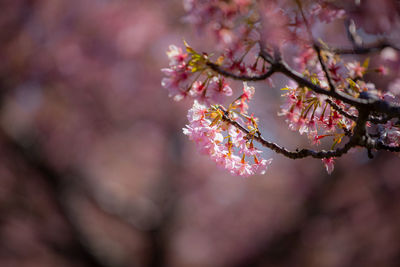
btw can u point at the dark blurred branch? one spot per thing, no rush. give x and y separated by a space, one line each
359 48
79 249
366 49
14 27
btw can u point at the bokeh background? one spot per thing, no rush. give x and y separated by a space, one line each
95 171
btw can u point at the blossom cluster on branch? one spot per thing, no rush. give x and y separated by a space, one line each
327 94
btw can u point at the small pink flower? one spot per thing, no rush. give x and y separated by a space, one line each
305 58
176 81
248 91
197 89
329 164
391 134
197 112
249 150
261 166
355 69
238 137
175 55
317 138
301 125
242 105
327 13
218 90
382 70
312 126
329 125
244 169
223 151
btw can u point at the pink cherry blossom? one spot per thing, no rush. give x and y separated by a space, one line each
326 12
355 69
248 91
254 37
218 90
176 56
329 164
224 151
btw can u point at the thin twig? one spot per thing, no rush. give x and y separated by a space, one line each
372 119
324 68
340 110
226 73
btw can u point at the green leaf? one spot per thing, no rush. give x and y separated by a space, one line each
366 63
314 80
188 48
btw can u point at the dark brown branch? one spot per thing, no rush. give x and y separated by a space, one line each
280 66
303 153
301 80
381 146
324 68
340 110
226 73
376 105
372 119
359 138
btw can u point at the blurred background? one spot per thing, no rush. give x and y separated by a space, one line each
95 171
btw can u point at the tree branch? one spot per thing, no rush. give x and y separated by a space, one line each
340 110
376 105
380 146
80 249
362 50
226 73
321 61
298 154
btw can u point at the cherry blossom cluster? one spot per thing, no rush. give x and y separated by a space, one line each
236 26
325 120
315 114
390 134
310 113
230 21
326 97
227 145
182 82
325 12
